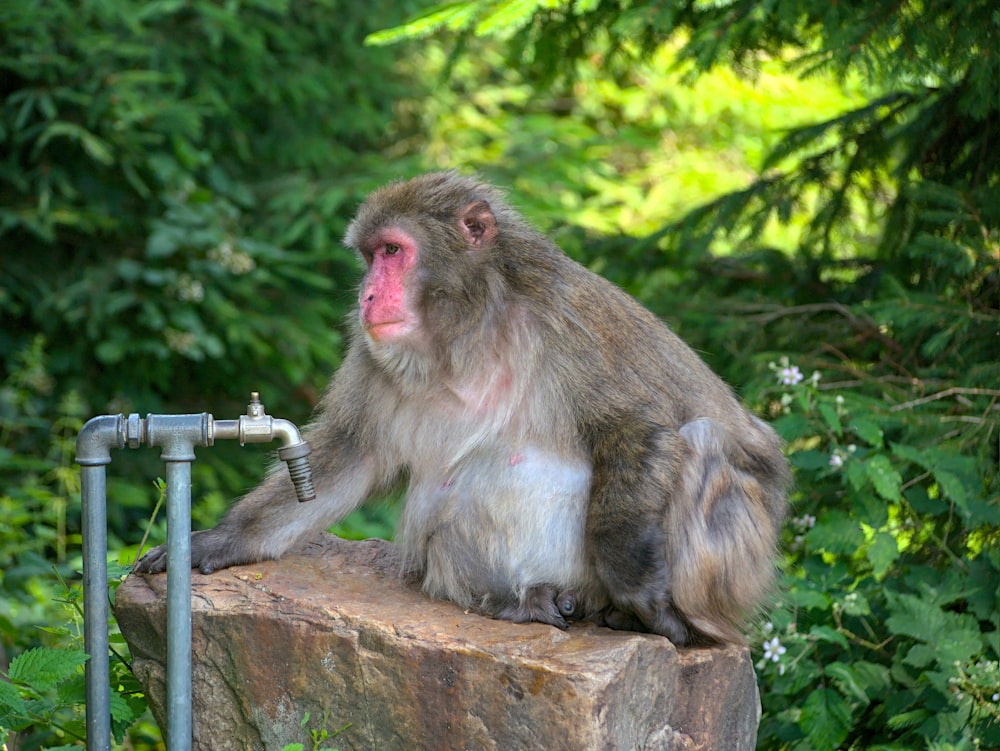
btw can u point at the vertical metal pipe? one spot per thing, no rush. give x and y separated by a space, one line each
179 715
95 606
93 451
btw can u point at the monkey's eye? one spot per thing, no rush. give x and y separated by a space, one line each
391 249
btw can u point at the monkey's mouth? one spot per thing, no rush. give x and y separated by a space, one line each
386 329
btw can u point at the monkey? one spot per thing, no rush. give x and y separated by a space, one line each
564 453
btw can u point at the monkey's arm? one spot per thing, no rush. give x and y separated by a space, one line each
269 519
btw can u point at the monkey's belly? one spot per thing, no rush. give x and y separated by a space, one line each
500 524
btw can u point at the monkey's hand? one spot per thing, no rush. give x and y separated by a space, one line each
209 551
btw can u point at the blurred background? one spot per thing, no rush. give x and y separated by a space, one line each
807 192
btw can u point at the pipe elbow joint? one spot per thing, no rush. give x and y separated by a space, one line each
286 432
97 437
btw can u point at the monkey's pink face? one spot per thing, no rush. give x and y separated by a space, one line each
387 310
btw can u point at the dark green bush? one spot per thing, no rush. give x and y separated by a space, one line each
174 182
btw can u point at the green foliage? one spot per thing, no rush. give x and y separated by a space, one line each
915 158
318 736
170 175
173 180
39 551
43 703
888 633
617 153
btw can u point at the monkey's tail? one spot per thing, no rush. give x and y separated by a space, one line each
726 524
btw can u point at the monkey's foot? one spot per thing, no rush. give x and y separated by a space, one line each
541 604
663 620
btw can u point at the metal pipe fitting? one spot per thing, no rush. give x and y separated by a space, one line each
256 426
177 435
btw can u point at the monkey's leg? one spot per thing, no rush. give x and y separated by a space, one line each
636 466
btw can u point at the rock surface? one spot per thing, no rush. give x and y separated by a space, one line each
332 630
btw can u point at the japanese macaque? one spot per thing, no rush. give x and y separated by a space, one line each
563 452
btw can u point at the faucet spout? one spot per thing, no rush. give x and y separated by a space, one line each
256 426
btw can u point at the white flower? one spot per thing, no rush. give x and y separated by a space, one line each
836 460
773 650
790 375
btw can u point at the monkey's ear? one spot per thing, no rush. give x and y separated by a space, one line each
479 225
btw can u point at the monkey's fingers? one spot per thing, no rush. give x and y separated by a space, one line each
154 562
538 606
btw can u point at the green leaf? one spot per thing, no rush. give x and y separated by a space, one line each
955 475
837 532
507 17
95 148
810 460
886 480
805 597
855 603
868 432
793 427
452 16
11 701
954 636
830 417
829 634
952 487
825 719
882 553
920 655
856 473
875 680
911 454
122 715
910 719
44 667
847 681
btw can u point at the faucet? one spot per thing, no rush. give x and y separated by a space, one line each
256 426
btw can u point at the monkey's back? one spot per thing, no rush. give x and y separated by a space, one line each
604 336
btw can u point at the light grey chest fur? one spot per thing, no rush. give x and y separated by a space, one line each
488 512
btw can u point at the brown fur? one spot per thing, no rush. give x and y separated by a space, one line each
564 452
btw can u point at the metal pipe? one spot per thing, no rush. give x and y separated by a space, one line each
177 435
256 426
95 607
179 712
93 446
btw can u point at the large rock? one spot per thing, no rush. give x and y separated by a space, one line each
333 631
